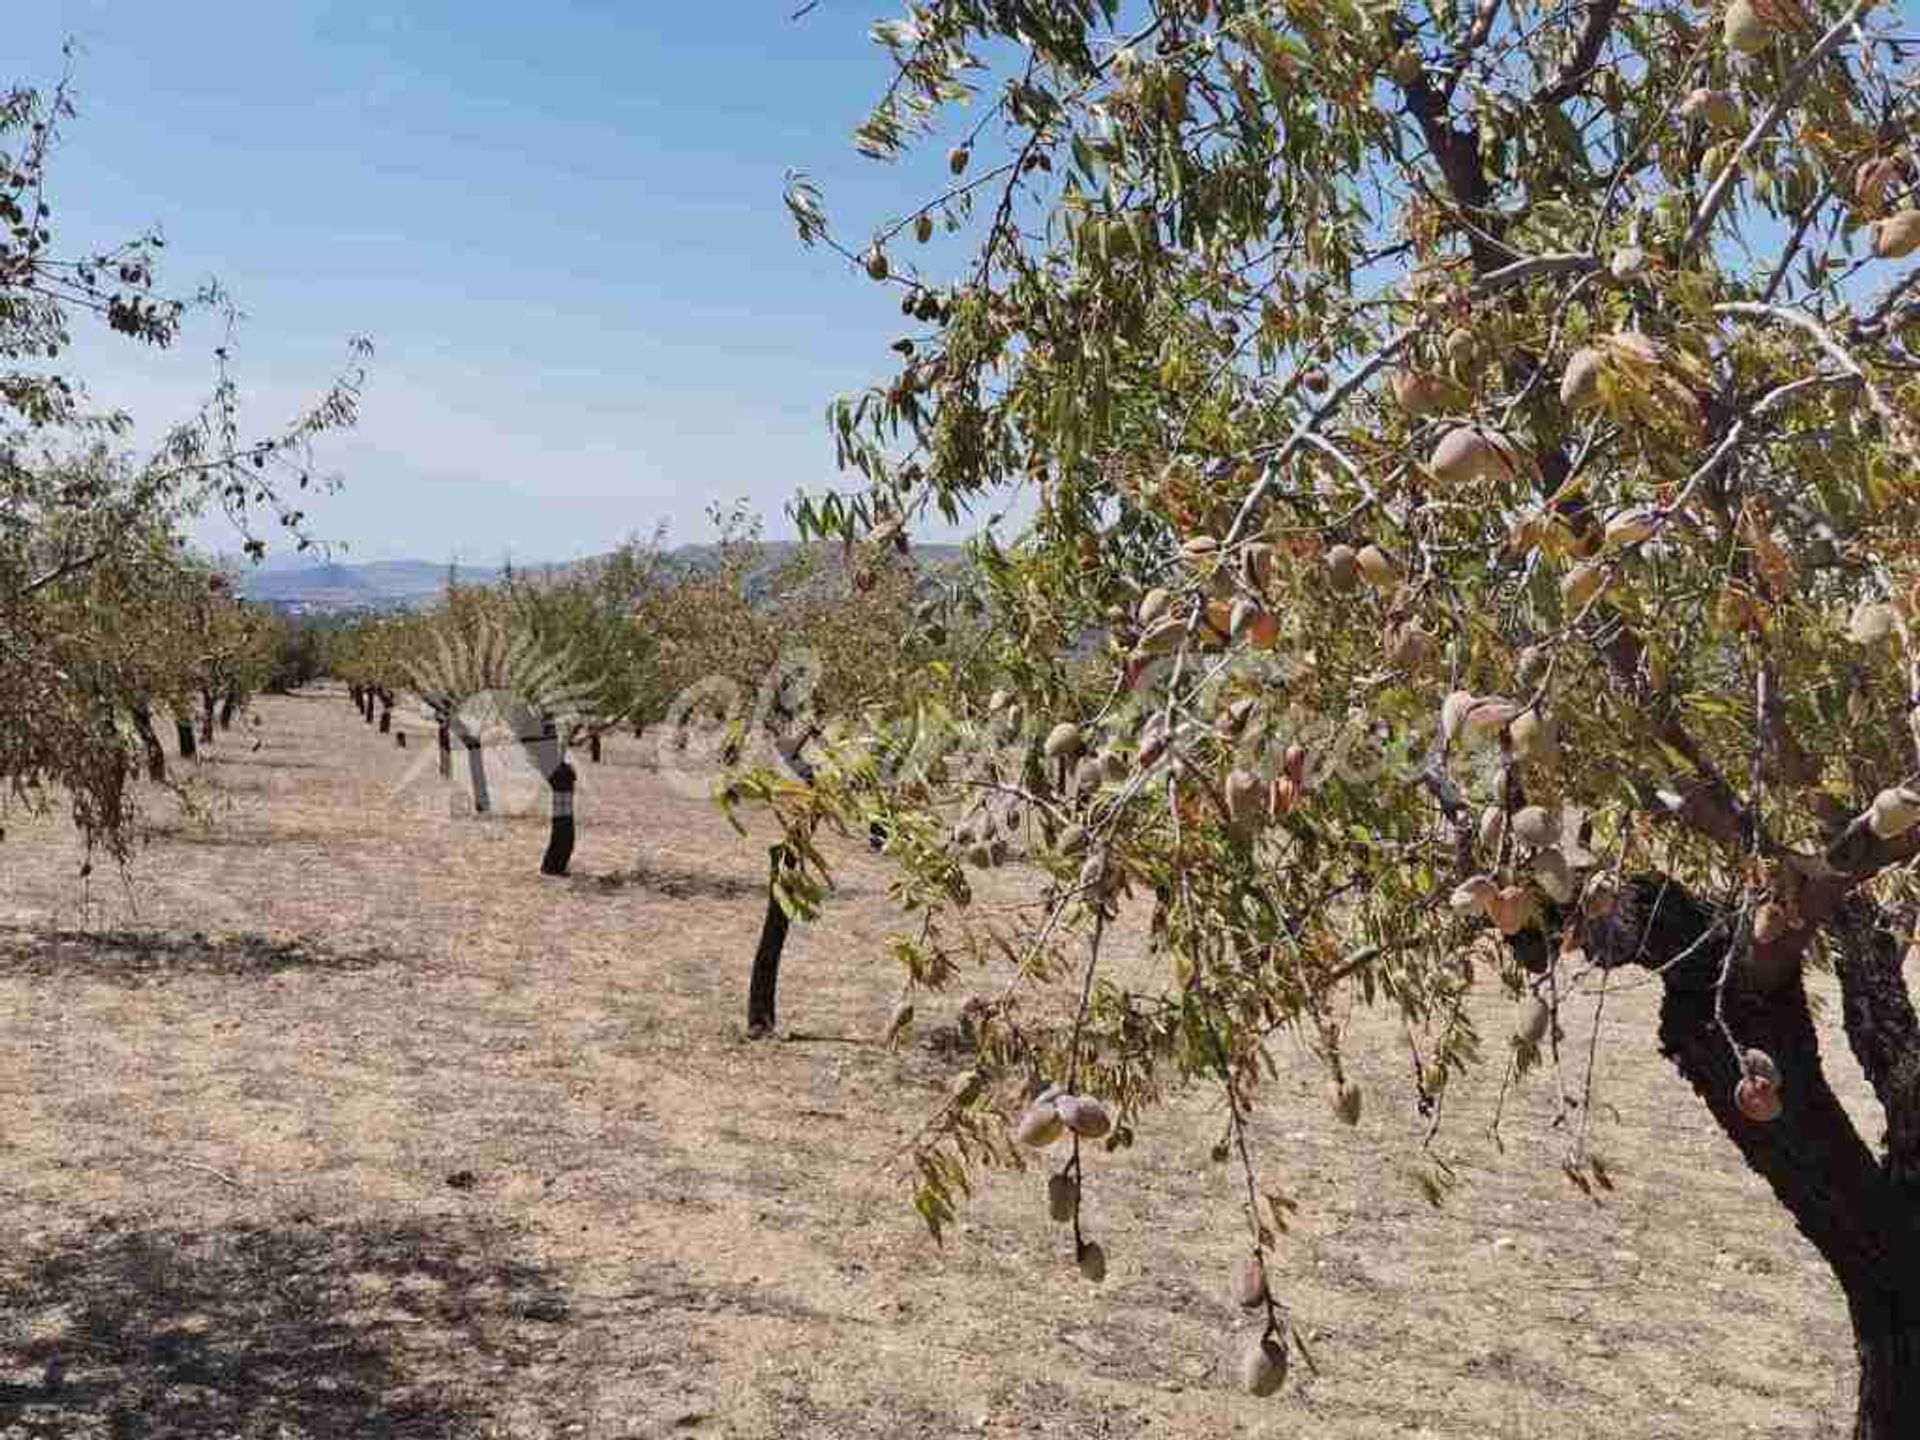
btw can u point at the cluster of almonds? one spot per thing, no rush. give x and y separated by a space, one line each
1234 610
1052 1114
1348 567
984 839
1263 1365
1252 800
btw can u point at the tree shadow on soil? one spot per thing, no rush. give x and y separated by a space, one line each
140 956
294 1332
673 883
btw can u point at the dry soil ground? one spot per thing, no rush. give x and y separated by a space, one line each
333 1119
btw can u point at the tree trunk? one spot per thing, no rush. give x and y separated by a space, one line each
476 768
206 717
544 749
1856 1209
183 730
445 741
150 743
560 838
763 988
1886 1330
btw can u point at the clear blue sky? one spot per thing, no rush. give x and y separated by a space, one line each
560 224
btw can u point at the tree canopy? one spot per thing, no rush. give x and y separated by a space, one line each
1478 442
91 558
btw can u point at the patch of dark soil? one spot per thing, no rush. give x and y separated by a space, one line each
142 956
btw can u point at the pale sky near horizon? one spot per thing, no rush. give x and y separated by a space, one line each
560 225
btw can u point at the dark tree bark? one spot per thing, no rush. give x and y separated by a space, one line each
764 984
544 748
476 766
183 731
763 988
1858 1210
149 742
560 837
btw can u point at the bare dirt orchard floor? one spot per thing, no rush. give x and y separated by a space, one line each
334 1119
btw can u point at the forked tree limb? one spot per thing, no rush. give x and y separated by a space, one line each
1877 1008
1812 1156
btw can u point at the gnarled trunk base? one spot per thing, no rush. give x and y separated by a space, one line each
1849 1203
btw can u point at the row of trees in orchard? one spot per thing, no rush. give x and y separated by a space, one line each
550 663
107 620
1482 438
754 655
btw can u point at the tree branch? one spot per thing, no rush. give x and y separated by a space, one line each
1829 346
1783 101
1811 1156
1881 1025
1566 84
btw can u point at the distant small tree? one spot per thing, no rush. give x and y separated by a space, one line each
293 652
796 641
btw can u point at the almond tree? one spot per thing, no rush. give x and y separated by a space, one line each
87 529
787 650
504 660
1481 437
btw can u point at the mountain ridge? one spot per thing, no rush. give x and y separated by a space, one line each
332 587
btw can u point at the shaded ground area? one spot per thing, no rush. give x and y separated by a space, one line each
138 955
362 1127
297 1332
677 884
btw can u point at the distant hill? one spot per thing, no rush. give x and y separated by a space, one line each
377 585
326 589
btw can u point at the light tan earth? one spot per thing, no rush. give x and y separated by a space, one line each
234 1085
